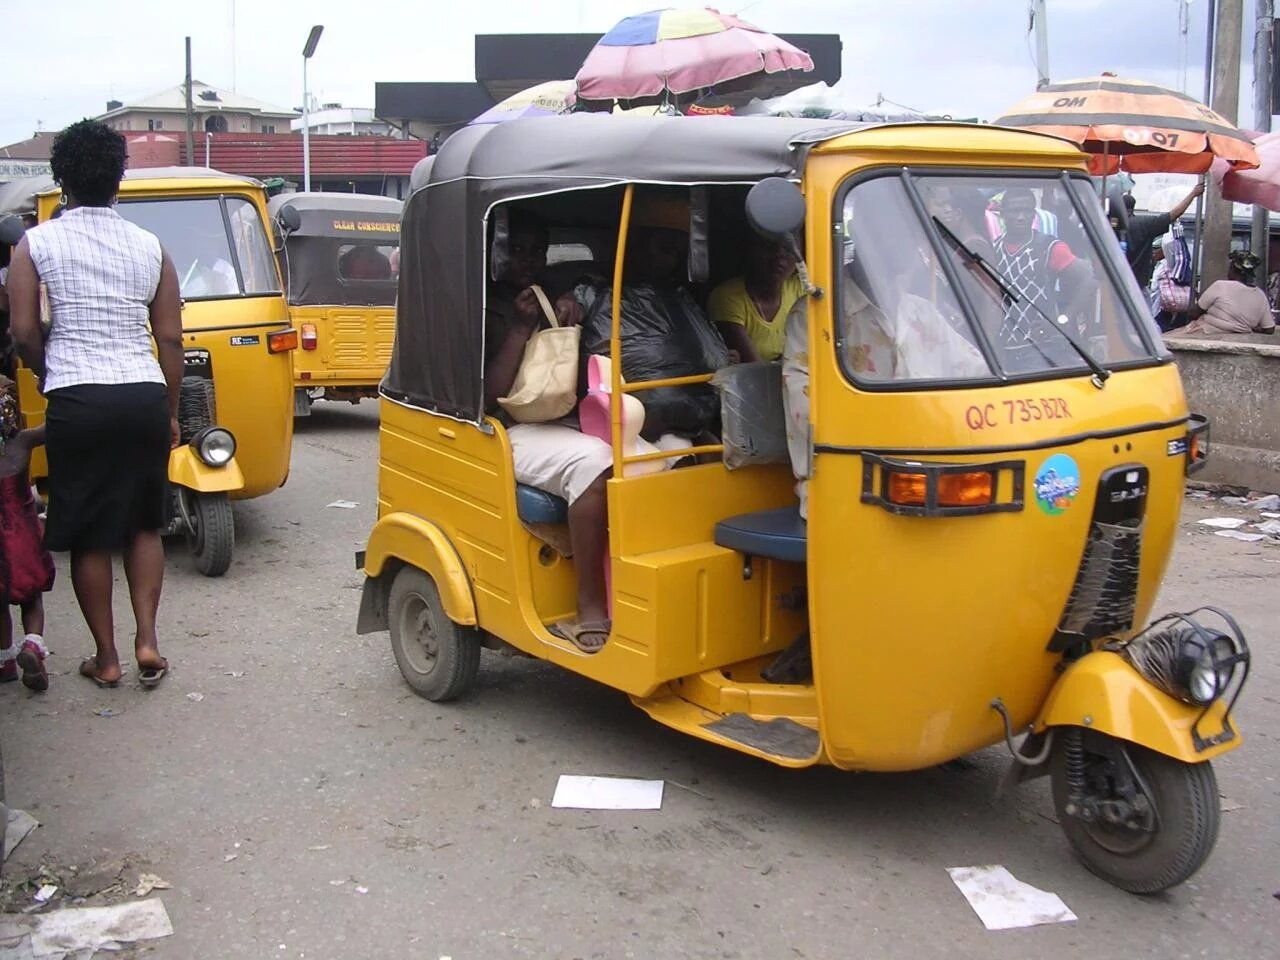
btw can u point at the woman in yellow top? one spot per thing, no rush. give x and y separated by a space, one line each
750 311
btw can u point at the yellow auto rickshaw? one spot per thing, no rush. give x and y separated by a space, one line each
338 255
995 441
236 402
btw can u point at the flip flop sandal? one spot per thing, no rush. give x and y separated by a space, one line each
89 668
576 633
150 677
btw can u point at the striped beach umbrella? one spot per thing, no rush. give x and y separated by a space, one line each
544 100
1134 126
664 55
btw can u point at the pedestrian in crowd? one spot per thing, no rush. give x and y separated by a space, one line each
112 406
1145 228
1234 305
26 569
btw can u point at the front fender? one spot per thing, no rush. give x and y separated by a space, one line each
420 543
1102 691
186 469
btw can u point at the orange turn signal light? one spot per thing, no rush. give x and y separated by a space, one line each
954 489
283 340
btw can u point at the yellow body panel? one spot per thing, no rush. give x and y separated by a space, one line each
1103 692
186 469
353 346
253 387
916 623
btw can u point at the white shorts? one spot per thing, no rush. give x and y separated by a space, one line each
557 459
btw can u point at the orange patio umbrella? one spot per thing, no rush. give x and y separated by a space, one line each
1134 126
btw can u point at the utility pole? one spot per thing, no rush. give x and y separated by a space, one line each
1226 101
1040 21
191 123
1259 242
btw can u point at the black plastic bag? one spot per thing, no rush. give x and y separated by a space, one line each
664 334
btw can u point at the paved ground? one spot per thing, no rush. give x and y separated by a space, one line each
308 805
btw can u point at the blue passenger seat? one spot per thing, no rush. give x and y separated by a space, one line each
776 534
538 506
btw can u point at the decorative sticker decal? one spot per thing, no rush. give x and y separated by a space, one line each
1178 448
245 341
1057 484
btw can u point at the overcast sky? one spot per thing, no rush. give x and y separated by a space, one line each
964 57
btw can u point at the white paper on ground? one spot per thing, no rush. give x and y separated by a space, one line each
20 824
607 793
344 504
1223 523
1270 526
1003 902
1241 535
91 928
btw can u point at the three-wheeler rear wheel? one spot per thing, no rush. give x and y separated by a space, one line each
438 658
1139 819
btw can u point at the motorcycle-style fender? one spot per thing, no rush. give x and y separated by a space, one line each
419 543
1102 691
188 470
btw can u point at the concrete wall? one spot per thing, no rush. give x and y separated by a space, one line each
1235 383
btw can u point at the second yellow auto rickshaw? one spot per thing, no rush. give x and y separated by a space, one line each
338 254
236 403
995 445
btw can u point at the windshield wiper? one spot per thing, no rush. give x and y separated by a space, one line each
1100 373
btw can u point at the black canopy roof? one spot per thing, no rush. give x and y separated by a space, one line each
352 216
439 347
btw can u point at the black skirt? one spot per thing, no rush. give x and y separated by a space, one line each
108 450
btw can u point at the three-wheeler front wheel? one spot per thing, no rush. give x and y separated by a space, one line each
211 531
438 658
1139 819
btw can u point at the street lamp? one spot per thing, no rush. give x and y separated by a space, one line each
313 38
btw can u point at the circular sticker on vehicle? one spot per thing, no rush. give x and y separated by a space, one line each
1057 484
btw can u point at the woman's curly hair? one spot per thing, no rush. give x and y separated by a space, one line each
88 161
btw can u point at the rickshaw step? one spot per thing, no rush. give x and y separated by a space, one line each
780 736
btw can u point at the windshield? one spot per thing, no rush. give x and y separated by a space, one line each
963 278
215 255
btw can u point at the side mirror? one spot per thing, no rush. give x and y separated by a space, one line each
775 208
289 218
11 230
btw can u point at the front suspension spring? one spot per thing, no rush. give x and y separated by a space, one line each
1074 770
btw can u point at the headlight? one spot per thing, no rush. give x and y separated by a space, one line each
1185 659
215 446
1202 661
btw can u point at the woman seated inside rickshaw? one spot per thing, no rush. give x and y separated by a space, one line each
554 457
750 311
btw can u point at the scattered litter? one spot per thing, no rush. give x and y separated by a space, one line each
1238 535
1002 902
195 697
148 882
98 928
321 846
1236 501
362 890
1270 526
336 883
607 793
344 504
45 893
1229 806
535 803
106 712
94 878
1223 523
1268 515
229 857
1269 502
19 825
235 673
